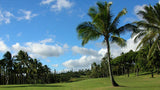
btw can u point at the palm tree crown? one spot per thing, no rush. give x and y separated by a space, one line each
102 25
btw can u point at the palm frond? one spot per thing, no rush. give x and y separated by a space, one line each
116 20
139 36
87 31
146 38
153 47
120 41
92 12
128 27
147 26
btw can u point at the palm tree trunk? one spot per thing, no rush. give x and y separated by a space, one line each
109 65
152 74
128 72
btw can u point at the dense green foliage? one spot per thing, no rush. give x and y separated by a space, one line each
22 69
130 62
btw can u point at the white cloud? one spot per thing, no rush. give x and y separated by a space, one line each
84 51
47 41
55 65
27 15
58 4
65 46
40 49
17 47
89 56
5 17
83 63
46 2
8 14
61 4
129 20
3 46
138 8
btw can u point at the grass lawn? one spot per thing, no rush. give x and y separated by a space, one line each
132 83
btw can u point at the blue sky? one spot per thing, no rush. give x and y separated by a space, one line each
46 29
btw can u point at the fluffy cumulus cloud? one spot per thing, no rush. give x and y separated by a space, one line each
89 55
84 51
41 49
27 15
117 50
61 4
3 46
82 63
5 17
58 5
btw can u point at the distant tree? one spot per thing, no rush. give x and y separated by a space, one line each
104 67
8 65
95 70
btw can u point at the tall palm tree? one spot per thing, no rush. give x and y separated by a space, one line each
149 27
103 25
23 58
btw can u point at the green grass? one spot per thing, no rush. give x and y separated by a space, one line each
132 83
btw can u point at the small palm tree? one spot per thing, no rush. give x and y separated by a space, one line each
149 27
103 25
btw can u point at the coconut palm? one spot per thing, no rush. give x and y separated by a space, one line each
103 24
149 27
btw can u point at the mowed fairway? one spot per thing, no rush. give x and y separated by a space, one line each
131 83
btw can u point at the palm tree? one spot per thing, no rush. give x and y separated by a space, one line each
9 64
104 25
22 59
149 27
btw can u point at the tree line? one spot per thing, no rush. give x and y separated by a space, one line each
22 69
130 62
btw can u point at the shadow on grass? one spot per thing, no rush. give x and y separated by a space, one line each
122 86
33 85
